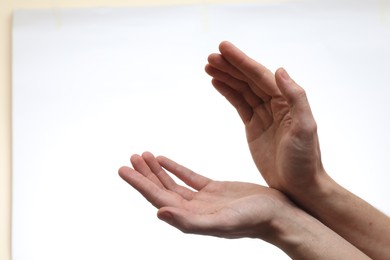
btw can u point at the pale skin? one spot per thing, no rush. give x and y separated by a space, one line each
282 137
233 210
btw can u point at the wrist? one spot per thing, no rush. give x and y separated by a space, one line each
301 236
286 229
294 233
320 189
350 216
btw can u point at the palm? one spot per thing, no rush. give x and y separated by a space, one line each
210 206
243 207
267 137
286 154
282 141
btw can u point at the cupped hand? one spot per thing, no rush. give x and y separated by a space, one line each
203 206
280 128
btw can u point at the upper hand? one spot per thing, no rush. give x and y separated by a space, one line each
280 128
207 207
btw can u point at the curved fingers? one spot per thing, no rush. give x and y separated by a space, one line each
218 62
240 86
262 77
157 196
141 166
164 178
189 177
238 102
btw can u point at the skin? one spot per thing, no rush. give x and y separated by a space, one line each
282 138
280 128
232 210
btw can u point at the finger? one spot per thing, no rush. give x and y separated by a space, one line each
154 194
219 62
238 101
240 86
164 178
189 177
260 75
191 223
297 100
141 166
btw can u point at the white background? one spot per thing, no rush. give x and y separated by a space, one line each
93 86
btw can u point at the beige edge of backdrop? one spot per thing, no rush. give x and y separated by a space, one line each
6 10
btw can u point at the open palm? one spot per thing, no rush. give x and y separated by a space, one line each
223 209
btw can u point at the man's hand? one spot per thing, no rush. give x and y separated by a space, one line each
282 137
207 207
233 210
280 128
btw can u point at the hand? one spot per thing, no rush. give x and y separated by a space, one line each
280 128
282 137
222 209
233 210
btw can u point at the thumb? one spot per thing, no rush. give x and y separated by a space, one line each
296 98
186 221
289 88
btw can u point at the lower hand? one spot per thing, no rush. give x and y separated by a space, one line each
207 207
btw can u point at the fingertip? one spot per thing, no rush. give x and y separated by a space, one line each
137 161
134 158
224 44
212 57
123 171
216 61
147 155
213 72
164 215
161 158
164 161
285 83
209 69
177 218
221 87
281 73
296 97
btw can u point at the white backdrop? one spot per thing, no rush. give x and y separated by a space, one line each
93 86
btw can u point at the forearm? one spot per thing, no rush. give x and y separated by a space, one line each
351 217
301 236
